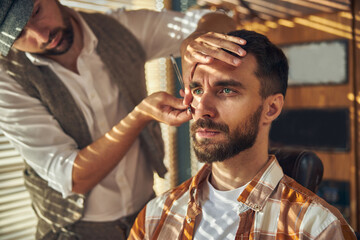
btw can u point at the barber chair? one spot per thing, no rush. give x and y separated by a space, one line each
303 166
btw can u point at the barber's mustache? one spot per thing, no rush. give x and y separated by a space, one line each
51 37
208 123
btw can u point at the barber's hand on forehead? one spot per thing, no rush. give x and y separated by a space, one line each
203 48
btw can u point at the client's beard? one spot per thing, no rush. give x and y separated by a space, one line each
242 138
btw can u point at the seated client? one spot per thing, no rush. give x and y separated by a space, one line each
241 191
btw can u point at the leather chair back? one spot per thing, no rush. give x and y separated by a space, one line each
302 165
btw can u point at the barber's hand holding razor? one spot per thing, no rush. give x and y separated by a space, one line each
165 108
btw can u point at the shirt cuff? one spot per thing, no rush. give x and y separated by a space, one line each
62 182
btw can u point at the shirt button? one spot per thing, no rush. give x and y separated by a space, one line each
77 215
80 201
256 207
188 220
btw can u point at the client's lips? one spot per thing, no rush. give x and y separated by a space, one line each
206 133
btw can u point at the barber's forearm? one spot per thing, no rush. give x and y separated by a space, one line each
217 22
95 161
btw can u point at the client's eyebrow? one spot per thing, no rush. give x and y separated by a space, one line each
229 83
194 85
221 83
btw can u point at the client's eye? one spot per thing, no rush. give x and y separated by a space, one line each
197 91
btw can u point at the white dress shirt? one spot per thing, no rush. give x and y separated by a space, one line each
43 144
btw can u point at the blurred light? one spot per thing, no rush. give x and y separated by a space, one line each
271 24
330 23
321 27
331 4
267 11
309 5
286 23
351 97
275 7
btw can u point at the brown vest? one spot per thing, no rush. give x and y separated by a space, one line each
124 58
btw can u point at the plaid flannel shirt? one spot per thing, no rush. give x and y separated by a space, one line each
273 206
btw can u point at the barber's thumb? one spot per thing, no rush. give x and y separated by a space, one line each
187 97
175 102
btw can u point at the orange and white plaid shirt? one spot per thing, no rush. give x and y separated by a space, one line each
273 206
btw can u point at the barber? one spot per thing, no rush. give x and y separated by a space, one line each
73 103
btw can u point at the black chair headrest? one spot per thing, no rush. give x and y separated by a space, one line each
304 166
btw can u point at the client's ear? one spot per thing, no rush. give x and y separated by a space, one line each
273 106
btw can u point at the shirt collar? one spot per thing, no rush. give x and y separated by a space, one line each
197 182
89 38
262 185
255 194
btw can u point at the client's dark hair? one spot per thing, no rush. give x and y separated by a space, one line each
272 65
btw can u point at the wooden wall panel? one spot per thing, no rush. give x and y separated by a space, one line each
356 73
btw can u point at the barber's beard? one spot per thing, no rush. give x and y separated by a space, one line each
67 37
242 138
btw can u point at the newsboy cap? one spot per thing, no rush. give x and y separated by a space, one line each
14 14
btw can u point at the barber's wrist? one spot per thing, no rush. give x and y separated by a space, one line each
141 115
190 38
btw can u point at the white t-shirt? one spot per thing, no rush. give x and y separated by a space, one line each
220 216
41 141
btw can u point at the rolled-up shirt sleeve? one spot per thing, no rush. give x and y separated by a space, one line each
160 33
37 136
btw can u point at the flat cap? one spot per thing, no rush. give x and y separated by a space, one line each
14 14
